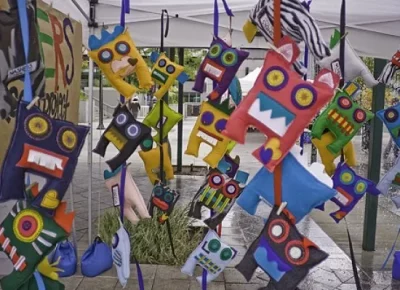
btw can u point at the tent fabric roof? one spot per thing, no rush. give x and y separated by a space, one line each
373 26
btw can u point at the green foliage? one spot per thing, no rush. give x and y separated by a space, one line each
149 240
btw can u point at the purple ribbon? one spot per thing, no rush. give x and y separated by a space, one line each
125 9
122 191
216 14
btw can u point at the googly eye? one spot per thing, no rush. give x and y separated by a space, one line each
347 177
278 230
122 47
133 131
226 254
214 245
105 55
215 180
391 115
38 127
215 50
28 225
207 118
296 253
220 125
276 78
303 96
162 62
121 119
231 190
344 103
67 139
170 69
359 115
229 57
360 187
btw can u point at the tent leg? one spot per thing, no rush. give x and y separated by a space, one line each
374 160
181 53
90 147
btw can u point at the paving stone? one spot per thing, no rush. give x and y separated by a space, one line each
195 285
71 283
170 284
343 275
170 273
98 283
249 286
235 277
134 285
324 277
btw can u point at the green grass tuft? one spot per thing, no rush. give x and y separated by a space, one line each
149 240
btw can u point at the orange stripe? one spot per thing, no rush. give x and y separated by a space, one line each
277 22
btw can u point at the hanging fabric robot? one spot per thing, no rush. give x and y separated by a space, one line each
121 253
391 179
218 193
229 166
280 105
164 199
117 56
390 117
282 252
390 70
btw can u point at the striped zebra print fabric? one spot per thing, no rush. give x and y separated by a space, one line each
390 70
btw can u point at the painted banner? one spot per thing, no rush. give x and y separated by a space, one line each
61 45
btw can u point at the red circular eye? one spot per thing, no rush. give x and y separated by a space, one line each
296 253
359 115
279 230
344 102
216 180
231 189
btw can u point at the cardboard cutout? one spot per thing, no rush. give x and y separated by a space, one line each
164 199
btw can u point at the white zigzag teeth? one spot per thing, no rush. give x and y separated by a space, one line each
341 198
208 138
45 160
212 70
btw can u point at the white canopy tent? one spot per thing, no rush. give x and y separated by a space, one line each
373 26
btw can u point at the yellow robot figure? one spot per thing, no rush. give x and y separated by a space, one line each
151 160
165 72
209 125
117 56
328 158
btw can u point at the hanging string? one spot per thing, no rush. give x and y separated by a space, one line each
125 9
342 41
216 15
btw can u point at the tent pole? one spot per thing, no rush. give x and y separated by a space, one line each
81 10
90 146
181 52
374 159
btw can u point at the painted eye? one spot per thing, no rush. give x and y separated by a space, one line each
168 197
360 187
303 96
162 63
215 50
214 245
275 78
207 118
220 125
278 230
67 139
229 57
170 69
226 254
37 127
105 55
147 144
121 119
133 131
158 191
347 177
231 190
296 253
344 103
115 241
28 225
359 115
122 47
216 180
391 115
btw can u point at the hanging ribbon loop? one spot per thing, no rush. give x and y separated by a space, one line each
216 15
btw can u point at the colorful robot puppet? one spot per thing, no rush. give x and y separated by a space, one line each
304 186
220 65
12 62
229 166
212 255
132 199
164 199
125 133
27 236
391 178
165 72
343 118
218 193
282 252
208 129
121 253
117 56
390 70
280 105
151 160
391 118
45 147
350 189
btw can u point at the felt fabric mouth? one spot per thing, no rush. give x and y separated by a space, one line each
43 160
130 69
271 114
341 121
116 138
214 200
343 196
124 67
213 70
208 137
160 204
11 251
207 263
159 76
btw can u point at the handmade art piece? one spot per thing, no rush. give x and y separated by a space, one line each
134 207
304 186
391 179
12 60
390 117
220 65
212 255
121 254
298 24
350 189
164 199
151 160
328 158
282 252
218 193
41 146
229 166
165 73
169 120
27 236
117 56
354 66
390 70
125 133
343 118
280 105
208 129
